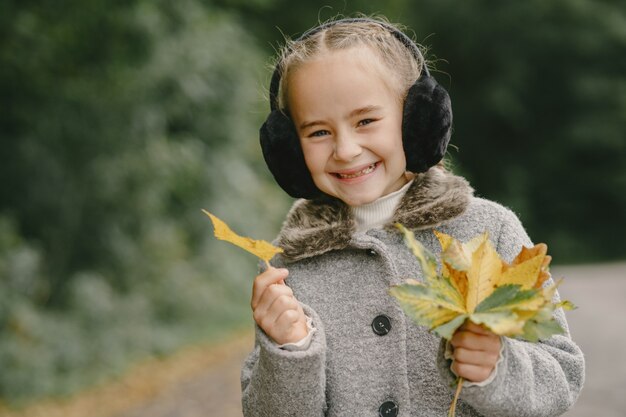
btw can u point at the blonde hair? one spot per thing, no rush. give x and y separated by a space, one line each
395 56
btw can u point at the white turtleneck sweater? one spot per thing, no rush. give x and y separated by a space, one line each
379 212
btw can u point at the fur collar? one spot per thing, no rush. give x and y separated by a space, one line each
314 227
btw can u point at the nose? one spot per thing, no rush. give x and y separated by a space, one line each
346 148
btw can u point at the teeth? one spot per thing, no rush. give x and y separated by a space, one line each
364 171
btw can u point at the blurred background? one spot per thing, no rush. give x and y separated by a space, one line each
120 120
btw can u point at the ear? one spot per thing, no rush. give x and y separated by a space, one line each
426 124
283 154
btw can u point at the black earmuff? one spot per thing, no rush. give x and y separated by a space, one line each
426 125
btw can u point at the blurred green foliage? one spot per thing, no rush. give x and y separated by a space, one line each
539 93
121 119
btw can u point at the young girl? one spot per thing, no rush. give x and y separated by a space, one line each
358 129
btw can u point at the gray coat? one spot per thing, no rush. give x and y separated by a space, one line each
341 277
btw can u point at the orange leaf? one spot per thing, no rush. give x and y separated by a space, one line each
544 275
530 265
527 253
459 280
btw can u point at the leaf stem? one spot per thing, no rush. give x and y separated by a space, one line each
459 386
267 264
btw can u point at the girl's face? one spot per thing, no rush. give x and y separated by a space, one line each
349 121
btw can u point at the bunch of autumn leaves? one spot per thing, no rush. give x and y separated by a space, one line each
475 284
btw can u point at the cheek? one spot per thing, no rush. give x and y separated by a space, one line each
397 161
393 149
313 157
398 146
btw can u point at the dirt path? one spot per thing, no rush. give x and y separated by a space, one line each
599 328
197 381
214 390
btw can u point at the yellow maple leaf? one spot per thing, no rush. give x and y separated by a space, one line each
483 274
259 248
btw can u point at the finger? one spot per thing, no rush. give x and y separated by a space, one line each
472 373
262 281
291 328
279 305
274 291
268 297
475 357
475 328
281 321
474 341
289 318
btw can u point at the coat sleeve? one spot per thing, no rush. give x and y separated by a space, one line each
278 382
534 379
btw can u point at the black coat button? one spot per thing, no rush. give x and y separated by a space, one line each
381 325
388 409
370 252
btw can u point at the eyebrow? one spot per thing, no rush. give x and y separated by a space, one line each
309 124
364 110
356 112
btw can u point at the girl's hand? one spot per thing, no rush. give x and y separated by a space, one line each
476 352
275 309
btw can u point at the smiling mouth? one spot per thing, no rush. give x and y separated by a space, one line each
368 169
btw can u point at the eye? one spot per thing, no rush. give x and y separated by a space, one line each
365 122
319 133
